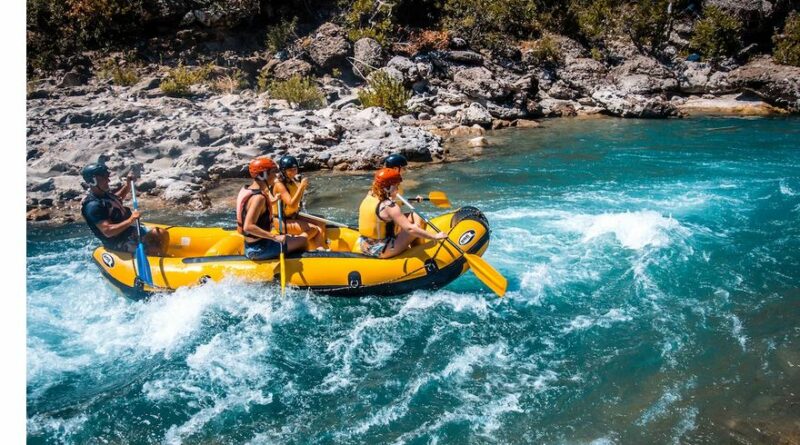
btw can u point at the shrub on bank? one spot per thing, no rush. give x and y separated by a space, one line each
596 20
787 43
120 75
179 79
299 92
368 18
230 83
716 35
646 23
386 92
545 51
279 35
490 23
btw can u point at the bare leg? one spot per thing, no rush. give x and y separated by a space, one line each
295 243
297 227
321 239
401 242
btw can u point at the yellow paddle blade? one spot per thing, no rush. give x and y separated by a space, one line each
283 275
487 274
439 199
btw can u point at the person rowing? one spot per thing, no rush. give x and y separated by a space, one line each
384 230
290 188
254 219
113 223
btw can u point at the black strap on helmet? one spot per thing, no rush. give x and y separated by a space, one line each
395 160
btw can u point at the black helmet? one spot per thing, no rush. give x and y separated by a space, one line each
395 161
287 162
90 171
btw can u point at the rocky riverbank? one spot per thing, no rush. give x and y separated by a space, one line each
182 147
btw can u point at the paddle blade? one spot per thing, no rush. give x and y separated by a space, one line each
143 264
283 275
439 199
487 274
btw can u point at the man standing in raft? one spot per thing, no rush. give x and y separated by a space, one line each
253 218
379 215
110 221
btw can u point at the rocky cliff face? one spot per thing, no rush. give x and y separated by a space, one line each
183 146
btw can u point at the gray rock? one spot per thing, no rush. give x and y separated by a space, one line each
447 110
643 75
505 112
407 119
72 79
368 55
329 47
778 85
634 105
466 57
292 67
475 114
479 141
480 83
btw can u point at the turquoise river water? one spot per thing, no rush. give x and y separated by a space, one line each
654 297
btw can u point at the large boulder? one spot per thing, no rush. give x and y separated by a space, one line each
582 74
480 83
643 75
329 47
701 78
633 105
291 67
475 114
368 55
777 84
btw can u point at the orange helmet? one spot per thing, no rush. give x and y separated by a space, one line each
387 177
261 165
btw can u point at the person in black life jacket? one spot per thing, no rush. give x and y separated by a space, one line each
385 231
290 188
254 219
110 221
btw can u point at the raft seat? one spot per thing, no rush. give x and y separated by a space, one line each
232 244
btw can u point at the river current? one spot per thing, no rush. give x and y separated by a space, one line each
654 297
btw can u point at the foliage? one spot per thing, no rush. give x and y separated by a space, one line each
787 44
56 28
121 75
299 92
369 18
646 22
386 92
281 34
716 35
262 81
544 51
425 40
336 72
489 23
596 19
230 83
179 79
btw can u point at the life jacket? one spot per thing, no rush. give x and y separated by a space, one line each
370 224
264 220
288 212
116 211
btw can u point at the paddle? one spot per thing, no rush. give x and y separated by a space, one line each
281 227
439 199
142 263
483 270
326 221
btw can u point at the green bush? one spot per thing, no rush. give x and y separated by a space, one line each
545 51
299 92
716 35
386 92
646 22
490 23
596 19
179 79
281 34
369 18
123 76
787 44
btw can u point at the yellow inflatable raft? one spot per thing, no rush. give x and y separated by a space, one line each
196 255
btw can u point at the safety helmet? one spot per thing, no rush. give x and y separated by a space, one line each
395 160
261 165
287 162
387 177
90 171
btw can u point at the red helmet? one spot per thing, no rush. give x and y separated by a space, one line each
261 165
387 177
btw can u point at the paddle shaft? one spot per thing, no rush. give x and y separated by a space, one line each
141 255
281 228
326 221
428 222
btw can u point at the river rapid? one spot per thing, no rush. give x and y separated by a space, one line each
654 297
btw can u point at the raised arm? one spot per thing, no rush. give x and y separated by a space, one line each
402 221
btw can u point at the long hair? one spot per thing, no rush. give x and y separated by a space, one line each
381 193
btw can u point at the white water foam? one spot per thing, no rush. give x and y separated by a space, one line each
584 322
785 189
634 230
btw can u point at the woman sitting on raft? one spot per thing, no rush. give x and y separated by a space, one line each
289 189
253 217
379 215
